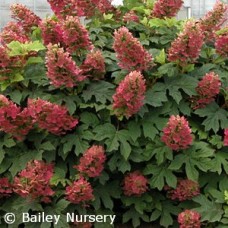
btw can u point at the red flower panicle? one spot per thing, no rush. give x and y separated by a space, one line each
5 188
51 117
130 16
189 219
79 192
135 184
51 31
34 181
166 8
226 137
129 95
130 52
185 49
61 69
214 19
92 161
185 190
61 8
4 58
24 16
94 65
221 42
177 133
75 35
81 225
207 89
89 8
13 32
14 121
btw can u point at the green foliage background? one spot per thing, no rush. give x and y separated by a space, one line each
130 144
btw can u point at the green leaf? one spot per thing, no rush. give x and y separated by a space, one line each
160 174
209 210
35 46
216 117
101 90
113 138
197 156
135 130
168 69
161 57
156 96
220 162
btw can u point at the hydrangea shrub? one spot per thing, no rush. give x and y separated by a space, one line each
125 114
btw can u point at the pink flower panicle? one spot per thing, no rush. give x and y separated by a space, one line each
79 192
51 31
81 225
130 16
51 117
185 190
89 8
61 8
166 8
129 52
6 189
4 58
34 181
221 43
207 89
75 35
94 65
177 133
61 69
226 137
13 32
92 161
185 49
189 219
214 19
14 121
24 16
135 184
129 95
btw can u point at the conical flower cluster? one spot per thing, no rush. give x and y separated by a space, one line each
130 16
34 181
214 19
221 42
6 188
51 117
61 68
92 161
51 31
94 65
177 133
129 95
166 8
80 191
185 190
25 17
189 219
14 121
135 184
75 36
185 49
129 52
226 137
13 32
207 89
